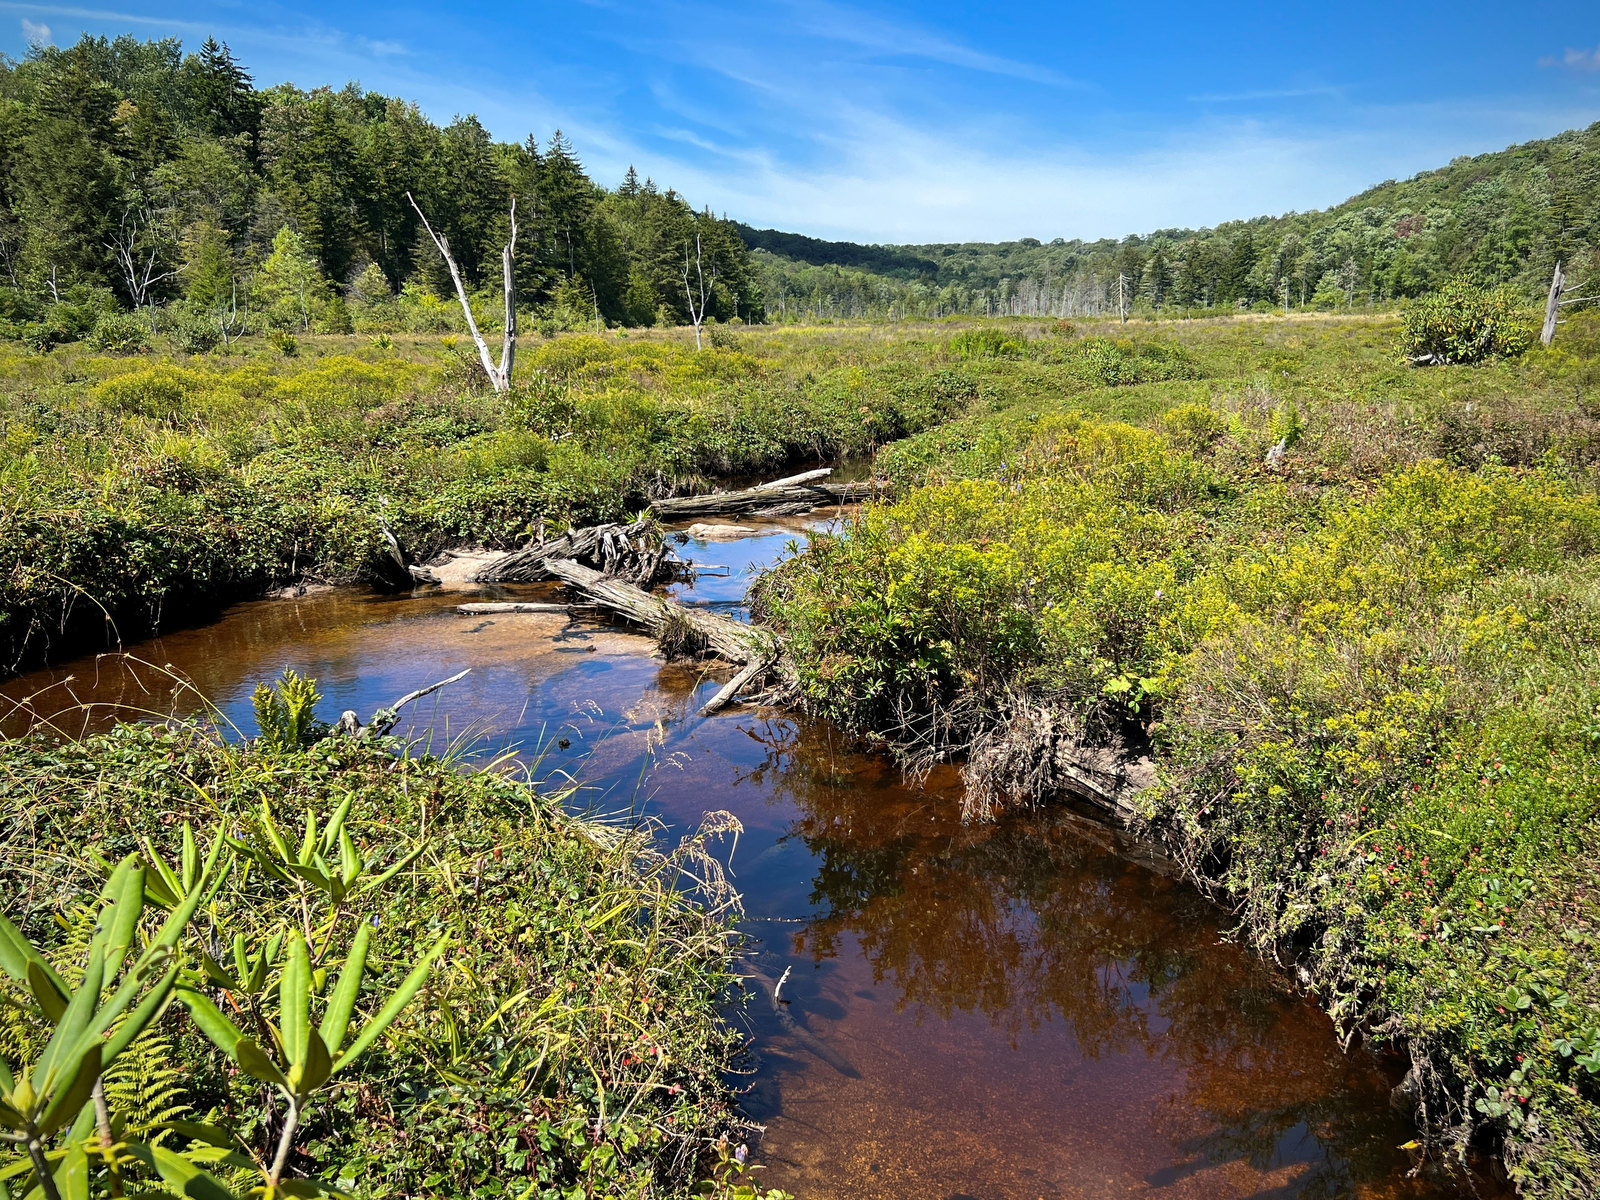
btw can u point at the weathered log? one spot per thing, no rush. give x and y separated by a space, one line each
781 497
633 552
723 636
733 687
483 610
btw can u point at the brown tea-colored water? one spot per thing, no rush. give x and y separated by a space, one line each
1031 1008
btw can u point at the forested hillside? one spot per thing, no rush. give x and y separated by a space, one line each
1504 217
132 173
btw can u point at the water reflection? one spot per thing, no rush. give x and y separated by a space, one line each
1069 951
1024 1009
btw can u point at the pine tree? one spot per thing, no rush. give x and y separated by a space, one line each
222 101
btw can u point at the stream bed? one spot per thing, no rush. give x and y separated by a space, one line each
1023 1010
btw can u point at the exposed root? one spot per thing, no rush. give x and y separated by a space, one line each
1039 747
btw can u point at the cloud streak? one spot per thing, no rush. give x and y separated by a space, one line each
1575 60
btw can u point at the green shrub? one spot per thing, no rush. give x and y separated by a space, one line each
194 332
1195 427
284 342
160 391
987 342
1117 362
336 317
121 333
1465 323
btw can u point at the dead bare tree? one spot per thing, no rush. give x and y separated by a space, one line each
700 288
1560 285
231 323
138 259
499 377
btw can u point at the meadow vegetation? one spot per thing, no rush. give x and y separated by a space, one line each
142 490
1348 607
566 1041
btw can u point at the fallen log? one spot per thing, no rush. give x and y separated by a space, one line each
734 686
349 723
633 552
485 610
780 497
676 625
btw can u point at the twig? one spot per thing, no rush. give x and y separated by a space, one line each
385 718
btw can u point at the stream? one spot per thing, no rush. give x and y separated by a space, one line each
1029 1009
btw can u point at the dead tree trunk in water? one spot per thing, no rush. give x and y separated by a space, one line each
499 377
781 497
719 635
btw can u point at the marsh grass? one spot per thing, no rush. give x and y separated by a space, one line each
570 1039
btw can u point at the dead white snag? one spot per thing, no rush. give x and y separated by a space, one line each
697 312
1552 306
485 610
723 636
734 686
499 377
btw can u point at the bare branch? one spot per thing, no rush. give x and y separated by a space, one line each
496 380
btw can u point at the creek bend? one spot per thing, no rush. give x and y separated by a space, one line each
1027 1009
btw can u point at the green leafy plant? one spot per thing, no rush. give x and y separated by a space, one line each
121 333
733 1176
301 1059
1464 322
88 1030
286 712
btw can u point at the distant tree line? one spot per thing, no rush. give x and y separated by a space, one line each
133 173
1501 218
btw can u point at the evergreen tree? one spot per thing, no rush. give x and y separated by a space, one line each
222 102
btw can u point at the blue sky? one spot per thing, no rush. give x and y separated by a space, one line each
939 122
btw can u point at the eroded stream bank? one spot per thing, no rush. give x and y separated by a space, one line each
1023 1009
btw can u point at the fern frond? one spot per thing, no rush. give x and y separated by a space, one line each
145 1086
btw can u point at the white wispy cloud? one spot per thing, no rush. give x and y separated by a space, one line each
1575 60
901 39
1295 93
34 33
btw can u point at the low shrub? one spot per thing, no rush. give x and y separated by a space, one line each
194 332
1464 322
121 333
986 342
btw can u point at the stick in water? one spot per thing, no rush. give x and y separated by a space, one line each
385 718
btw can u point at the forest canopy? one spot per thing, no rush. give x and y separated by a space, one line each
1501 218
134 174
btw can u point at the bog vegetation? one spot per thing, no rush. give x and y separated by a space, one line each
1347 605
1349 608
302 966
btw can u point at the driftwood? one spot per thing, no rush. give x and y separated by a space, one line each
781 497
633 552
711 632
385 719
733 687
485 610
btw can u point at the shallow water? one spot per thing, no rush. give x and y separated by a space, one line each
1032 1008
